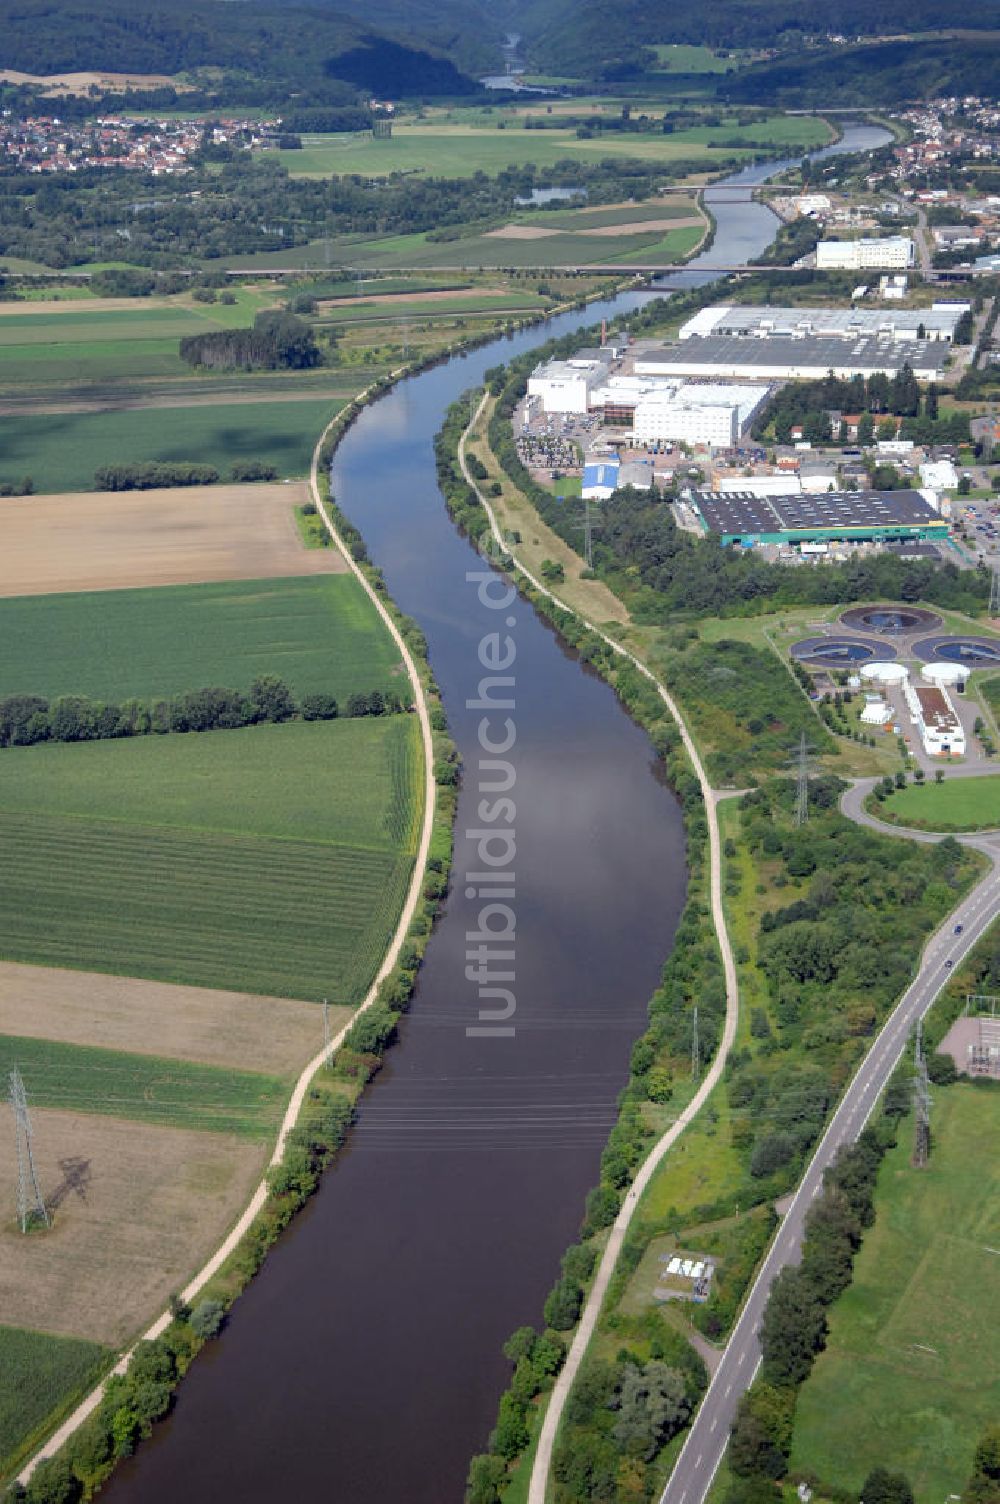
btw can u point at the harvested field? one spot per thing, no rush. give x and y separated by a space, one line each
82 83
136 1210
117 540
74 307
642 226
438 295
187 1023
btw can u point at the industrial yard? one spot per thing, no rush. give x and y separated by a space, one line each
687 419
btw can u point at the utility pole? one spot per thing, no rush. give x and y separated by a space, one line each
802 783
922 1102
326 1030
995 591
30 1203
695 1048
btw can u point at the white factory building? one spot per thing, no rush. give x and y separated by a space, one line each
935 718
564 386
764 321
895 253
708 414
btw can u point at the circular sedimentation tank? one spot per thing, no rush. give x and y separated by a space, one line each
890 620
838 652
945 673
970 652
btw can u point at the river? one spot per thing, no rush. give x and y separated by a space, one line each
363 1364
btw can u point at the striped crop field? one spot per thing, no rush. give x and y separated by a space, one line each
272 860
37 1369
315 632
145 1088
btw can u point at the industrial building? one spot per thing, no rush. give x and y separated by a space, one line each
762 321
777 358
603 477
564 386
895 252
832 517
935 718
712 414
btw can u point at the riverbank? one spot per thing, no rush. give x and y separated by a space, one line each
517 530
435 828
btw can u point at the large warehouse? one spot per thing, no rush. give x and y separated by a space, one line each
761 321
777 358
828 517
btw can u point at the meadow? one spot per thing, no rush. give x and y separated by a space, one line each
955 804
316 632
145 1088
562 248
36 1368
459 150
61 451
272 860
911 1371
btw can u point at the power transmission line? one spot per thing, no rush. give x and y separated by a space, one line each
30 1202
995 591
695 1047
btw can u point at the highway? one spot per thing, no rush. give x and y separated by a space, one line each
703 1450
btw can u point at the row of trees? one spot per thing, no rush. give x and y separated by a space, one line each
151 475
26 720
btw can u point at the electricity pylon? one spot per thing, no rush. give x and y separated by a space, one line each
30 1202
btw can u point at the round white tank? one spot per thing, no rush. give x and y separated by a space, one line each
885 673
854 681
945 673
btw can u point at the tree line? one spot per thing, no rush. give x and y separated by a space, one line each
26 720
809 404
151 475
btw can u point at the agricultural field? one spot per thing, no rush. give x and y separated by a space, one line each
955 804
136 1208
911 1371
97 339
460 150
146 1088
35 1366
125 1014
202 860
62 451
56 544
319 632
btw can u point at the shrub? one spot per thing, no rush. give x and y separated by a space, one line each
562 1305
207 1318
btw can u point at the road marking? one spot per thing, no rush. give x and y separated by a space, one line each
715 1422
729 1386
697 1460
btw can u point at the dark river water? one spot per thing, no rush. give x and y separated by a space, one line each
363 1364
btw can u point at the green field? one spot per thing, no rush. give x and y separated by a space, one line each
911 1373
61 451
145 1088
271 860
93 344
38 1372
320 632
461 150
955 804
682 57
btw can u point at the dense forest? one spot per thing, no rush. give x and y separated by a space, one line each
267 52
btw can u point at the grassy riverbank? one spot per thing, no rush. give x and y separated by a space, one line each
712 1195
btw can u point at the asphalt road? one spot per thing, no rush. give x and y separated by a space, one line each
702 1452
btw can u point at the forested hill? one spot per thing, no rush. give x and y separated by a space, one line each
572 36
310 51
